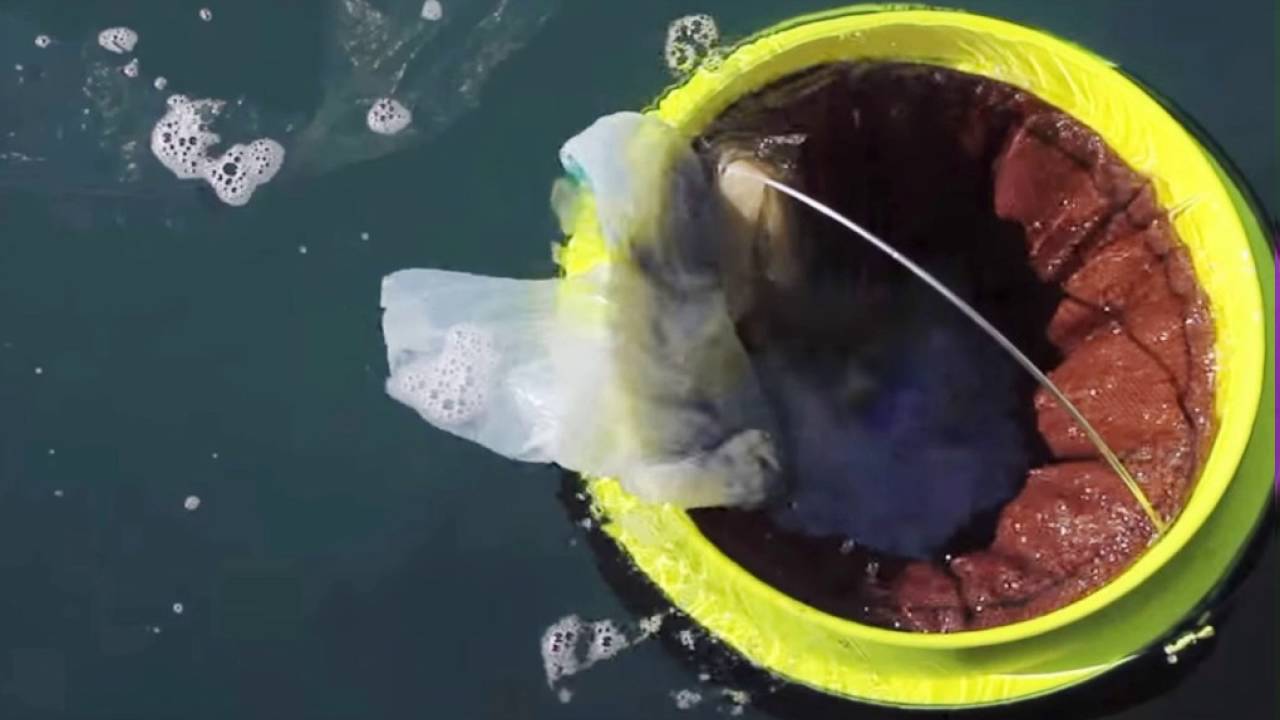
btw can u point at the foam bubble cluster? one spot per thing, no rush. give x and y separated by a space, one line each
690 40
182 138
181 141
242 168
651 625
432 10
687 639
119 40
686 699
560 648
452 388
388 117
605 641
570 646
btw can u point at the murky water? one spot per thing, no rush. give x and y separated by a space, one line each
209 507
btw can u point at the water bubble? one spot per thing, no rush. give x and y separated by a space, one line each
570 646
686 639
686 699
43 41
651 625
564 695
738 700
432 10
178 608
119 40
39 370
57 493
181 140
161 82
364 236
192 503
302 249
206 14
559 648
242 168
606 641
131 68
453 387
387 116
690 40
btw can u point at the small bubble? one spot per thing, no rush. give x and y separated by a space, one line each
155 629
690 41
686 639
43 41
432 10
686 699
564 695
650 625
57 493
302 249
39 370
178 608
214 454
206 14
192 503
161 83
364 236
52 451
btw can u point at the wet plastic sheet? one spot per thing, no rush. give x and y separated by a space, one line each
634 372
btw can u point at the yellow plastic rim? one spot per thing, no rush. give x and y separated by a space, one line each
879 665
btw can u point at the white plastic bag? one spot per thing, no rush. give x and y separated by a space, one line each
649 384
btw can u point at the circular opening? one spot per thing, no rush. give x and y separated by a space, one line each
888 393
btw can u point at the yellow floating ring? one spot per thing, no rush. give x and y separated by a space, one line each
1147 601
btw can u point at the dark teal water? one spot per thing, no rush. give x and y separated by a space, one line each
347 561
